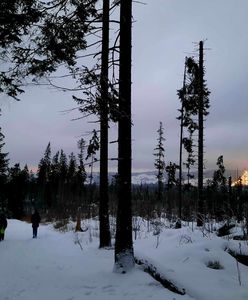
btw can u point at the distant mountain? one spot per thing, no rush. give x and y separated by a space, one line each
144 178
149 177
137 177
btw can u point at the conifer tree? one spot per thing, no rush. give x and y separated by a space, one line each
55 169
171 175
71 182
159 160
188 96
3 170
81 173
16 18
63 169
44 168
190 160
54 176
17 190
36 37
171 169
3 156
219 179
195 103
92 149
72 168
63 166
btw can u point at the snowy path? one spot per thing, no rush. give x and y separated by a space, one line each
54 267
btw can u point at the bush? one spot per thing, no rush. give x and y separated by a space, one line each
61 225
225 229
214 265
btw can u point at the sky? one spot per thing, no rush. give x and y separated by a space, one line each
164 32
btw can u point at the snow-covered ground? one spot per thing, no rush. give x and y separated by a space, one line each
54 266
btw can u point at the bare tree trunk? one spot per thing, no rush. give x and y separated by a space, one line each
181 146
105 238
200 140
124 256
78 223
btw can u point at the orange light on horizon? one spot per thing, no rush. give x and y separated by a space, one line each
242 180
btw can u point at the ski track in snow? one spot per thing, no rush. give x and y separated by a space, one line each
54 267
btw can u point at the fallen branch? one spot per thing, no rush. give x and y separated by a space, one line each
152 270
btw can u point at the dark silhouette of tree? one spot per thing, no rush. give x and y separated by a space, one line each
43 176
171 169
63 166
188 96
54 178
92 149
81 173
105 238
3 157
17 190
203 105
159 160
188 144
61 180
124 256
172 181
72 168
219 206
44 165
195 103
181 94
63 171
38 36
219 179
3 170
16 17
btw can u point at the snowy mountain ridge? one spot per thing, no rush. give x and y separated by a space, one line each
149 177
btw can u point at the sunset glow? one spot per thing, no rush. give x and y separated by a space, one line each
243 179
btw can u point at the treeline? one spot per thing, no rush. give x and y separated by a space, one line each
61 185
222 203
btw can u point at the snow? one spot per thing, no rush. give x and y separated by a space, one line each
69 266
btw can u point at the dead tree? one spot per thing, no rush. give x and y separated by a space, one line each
124 256
200 140
105 238
203 105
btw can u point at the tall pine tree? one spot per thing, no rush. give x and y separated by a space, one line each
159 160
44 169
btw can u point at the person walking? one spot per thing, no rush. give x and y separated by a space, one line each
3 226
35 220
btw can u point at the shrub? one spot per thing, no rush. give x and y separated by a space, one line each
61 225
214 265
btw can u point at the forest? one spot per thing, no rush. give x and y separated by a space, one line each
39 41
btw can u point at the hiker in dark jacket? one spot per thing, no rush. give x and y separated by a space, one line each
35 220
3 225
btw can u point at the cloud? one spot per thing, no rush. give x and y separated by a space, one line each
164 32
